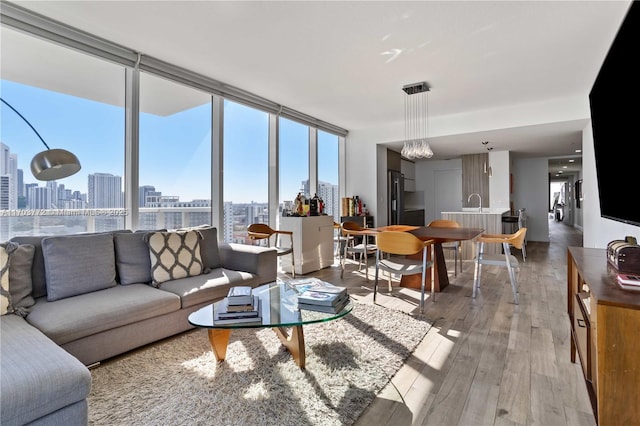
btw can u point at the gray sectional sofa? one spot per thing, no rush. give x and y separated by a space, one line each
75 300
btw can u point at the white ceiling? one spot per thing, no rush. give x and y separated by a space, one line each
345 62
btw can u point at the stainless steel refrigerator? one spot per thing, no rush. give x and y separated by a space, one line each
395 197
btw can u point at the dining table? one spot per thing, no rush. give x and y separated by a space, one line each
439 236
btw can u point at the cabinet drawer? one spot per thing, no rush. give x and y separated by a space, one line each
582 332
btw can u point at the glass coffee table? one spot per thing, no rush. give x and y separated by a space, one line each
279 312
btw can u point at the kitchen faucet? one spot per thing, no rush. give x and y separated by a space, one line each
479 199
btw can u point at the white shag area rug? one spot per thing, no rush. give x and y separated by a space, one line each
179 382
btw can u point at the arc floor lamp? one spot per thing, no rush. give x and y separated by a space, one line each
51 164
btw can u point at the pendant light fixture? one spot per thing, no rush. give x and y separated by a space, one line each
416 121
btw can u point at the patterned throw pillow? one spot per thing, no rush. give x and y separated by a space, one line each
174 255
5 300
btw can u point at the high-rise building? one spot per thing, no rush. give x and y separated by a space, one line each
329 194
39 197
27 191
8 169
227 222
5 191
144 191
105 191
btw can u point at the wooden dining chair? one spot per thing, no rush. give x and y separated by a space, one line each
262 231
505 259
455 246
393 247
356 247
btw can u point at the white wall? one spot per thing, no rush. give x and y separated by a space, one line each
499 181
530 190
597 232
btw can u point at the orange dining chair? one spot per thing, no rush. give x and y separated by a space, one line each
505 259
393 247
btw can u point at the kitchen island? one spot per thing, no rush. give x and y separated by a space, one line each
489 219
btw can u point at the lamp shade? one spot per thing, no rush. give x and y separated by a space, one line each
54 164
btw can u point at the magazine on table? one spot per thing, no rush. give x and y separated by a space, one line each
333 309
304 285
313 297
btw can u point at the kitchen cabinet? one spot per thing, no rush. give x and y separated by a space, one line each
605 325
408 169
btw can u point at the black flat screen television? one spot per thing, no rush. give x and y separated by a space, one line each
615 120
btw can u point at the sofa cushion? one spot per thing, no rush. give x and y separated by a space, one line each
132 258
78 264
38 275
174 255
73 318
38 376
207 287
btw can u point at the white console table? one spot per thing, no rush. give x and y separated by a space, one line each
312 242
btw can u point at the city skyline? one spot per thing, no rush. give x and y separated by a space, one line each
115 181
184 138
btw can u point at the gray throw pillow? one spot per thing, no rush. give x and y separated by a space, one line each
20 284
132 258
78 264
16 270
38 275
209 247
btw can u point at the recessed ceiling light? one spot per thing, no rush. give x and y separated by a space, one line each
572 160
559 171
578 150
564 167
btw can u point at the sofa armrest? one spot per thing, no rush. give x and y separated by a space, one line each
261 261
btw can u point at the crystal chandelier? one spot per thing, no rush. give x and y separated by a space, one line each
416 121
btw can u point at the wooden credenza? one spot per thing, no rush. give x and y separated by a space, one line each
605 333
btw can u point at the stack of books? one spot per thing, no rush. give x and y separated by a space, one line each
321 296
629 281
240 306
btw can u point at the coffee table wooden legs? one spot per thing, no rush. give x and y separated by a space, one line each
219 340
294 343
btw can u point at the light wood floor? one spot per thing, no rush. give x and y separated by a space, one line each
486 361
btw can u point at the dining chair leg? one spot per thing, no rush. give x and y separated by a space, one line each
375 281
477 269
455 262
433 282
423 278
512 274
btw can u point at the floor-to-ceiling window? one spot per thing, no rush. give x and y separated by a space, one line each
328 176
75 102
175 155
81 103
246 170
293 162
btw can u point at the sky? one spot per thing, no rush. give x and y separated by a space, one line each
175 152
